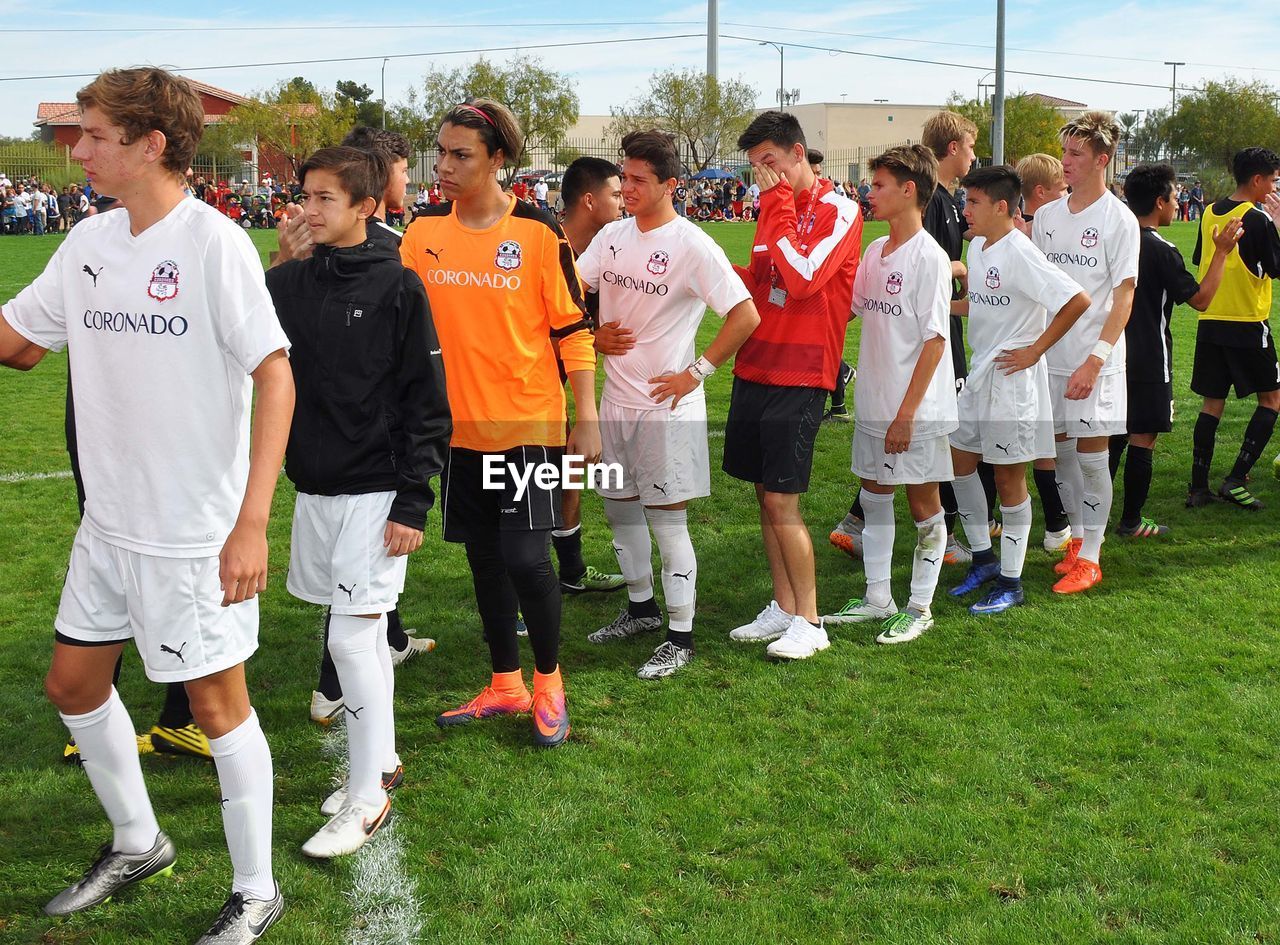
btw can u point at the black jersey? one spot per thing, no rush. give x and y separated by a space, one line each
1163 282
943 222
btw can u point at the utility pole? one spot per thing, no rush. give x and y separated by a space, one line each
713 39
384 94
997 115
1173 88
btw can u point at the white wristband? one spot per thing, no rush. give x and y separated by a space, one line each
1102 351
702 368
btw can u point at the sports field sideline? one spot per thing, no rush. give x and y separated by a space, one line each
1099 768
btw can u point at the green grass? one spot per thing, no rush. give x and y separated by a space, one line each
1095 769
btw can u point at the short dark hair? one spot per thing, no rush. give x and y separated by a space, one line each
999 182
814 156
656 147
361 173
1146 184
911 162
782 128
1249 163
586 175
499 130
365 138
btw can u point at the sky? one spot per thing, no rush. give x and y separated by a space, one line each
955 40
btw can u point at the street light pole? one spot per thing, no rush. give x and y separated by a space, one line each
384 94
782 62
1173 88
997 111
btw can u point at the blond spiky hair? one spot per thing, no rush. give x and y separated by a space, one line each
1097 128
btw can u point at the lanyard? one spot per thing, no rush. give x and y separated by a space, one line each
804 229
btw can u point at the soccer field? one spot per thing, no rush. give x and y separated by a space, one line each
1100 768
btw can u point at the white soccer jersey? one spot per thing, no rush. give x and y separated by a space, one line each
1098 248
164 329
1013 292
659 284
904 299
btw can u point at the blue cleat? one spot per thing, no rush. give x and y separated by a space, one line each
979 574
999 600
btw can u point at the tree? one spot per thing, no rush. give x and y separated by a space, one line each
360 96
293 118
543 101
1222 118
1030 125
1128 122
1151 138
704 114
565 155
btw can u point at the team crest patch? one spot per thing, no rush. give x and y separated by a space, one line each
164 281
894 284
993 278
1089 238
508 257
658 263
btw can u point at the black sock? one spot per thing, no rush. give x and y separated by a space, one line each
1115 447
1256 437
949 507
987 476
569 555
842 381
682 638
1008 583
643 608
115 675
856 509
985 556
397 639
328 685
1202 440
1137 483
1055 516
177 707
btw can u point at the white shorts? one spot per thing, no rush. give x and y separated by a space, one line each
1006 418
663 452
170 607
337 557
1105 412
926 460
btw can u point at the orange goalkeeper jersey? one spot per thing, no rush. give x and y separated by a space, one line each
498 297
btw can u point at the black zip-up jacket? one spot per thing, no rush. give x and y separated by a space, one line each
371 412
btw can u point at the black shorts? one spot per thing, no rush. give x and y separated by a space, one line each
469 509
770 432
1150 407
1234 354
958 361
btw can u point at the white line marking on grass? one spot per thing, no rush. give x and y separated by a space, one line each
385 907
715 434
35 477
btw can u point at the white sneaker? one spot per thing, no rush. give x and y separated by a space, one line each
800 642
956 553
770 623
413 646
1057 541
323 709
347 831
859 610
338 799
904 627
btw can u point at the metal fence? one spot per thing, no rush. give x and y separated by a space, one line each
27 158
841 163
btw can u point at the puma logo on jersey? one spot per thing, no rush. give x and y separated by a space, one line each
888 467
434 253
1088 423
661 488
93 275
165 648
225 800
615 251
1005 449
347 591
1049 233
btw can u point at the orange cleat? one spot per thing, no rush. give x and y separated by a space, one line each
550 714
847 543
505 695
1069 559
1083 576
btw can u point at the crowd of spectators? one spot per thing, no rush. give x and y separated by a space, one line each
33 207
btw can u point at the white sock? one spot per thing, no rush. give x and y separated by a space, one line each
243 761
971 503
633 546
354 643
877 546
109 752
569 532
926 562
389 677
1014 538
1070 483
1096 502
679 565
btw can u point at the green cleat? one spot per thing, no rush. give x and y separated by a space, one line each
1146 528
1236 493
593 580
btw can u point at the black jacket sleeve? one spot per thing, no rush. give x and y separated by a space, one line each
424 406
1260 245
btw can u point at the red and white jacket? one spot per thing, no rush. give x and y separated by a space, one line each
807 245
